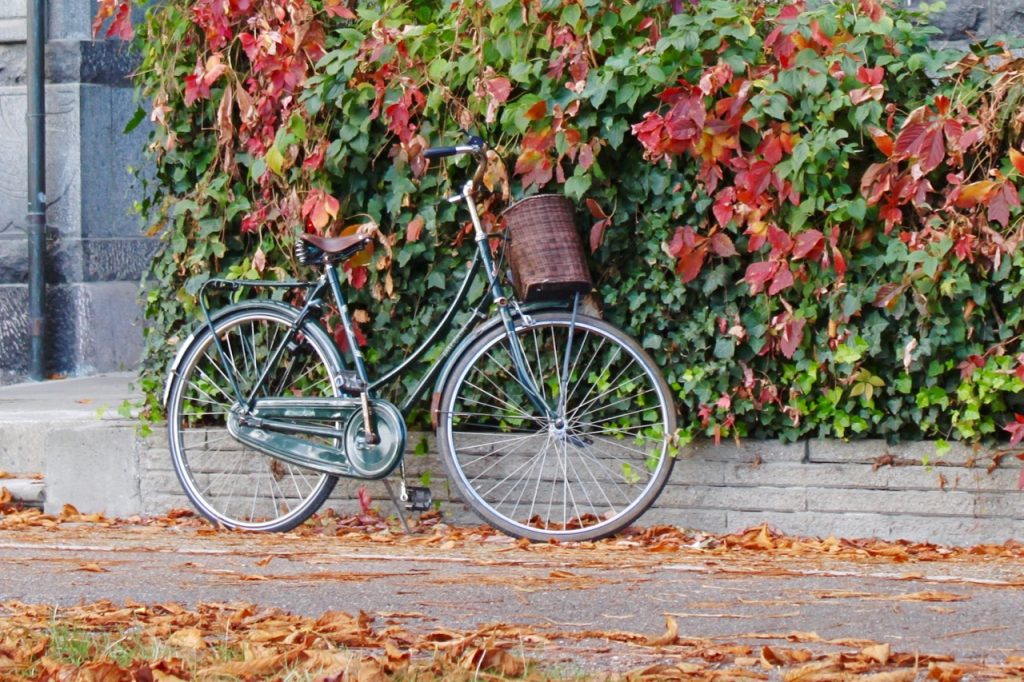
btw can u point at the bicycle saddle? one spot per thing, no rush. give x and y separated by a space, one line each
332 247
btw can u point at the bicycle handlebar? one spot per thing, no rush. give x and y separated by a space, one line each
474 145
437 152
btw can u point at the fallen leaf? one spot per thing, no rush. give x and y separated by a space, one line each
188 638
879 653
670 635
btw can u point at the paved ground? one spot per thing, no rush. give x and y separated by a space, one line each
966 606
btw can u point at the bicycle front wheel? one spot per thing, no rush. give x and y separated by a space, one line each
229 483
587 466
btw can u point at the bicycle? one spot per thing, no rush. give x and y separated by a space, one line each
551 423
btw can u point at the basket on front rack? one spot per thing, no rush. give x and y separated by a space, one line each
545 250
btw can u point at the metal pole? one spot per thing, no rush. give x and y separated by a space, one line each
36 112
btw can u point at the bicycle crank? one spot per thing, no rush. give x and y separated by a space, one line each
285 428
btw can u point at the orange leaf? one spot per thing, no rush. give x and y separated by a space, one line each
880 653
975 193
414 229
187 638
1017 159
670 635
882 140
595 208
537 111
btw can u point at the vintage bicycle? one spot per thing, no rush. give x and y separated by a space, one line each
551 423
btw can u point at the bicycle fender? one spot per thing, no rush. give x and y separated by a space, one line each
172 371
449 365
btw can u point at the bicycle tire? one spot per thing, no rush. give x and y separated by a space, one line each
530 477
233 485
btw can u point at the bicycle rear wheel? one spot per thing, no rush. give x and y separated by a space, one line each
587 471
229 483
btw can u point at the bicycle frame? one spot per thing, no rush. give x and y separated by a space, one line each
437 370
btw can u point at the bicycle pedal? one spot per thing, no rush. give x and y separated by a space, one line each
349 382
420 498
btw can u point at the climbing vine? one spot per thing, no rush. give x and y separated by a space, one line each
809 215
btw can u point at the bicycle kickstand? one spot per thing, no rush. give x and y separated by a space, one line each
398 507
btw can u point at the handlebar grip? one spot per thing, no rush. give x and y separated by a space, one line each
437 152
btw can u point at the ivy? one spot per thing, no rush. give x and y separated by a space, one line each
808 215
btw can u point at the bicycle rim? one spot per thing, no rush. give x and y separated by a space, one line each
231 484
584 474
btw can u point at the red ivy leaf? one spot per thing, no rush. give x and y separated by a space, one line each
839 261
1015 429
315 160
597 234
723 205
337 8
1000 202
586 157
781 242
792 335
499 88
399 120
888 294
968 366
121 26
873 9
861 95
783 280
535 167
758 274
809 244
595 208
358 277
973 194
722 245
197 85
872 76
690 263
922 140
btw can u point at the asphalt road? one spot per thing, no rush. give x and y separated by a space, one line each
968 607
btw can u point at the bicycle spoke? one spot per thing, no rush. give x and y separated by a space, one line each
240 487
613 386
632 396
593 473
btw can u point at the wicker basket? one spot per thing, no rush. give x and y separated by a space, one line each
545 250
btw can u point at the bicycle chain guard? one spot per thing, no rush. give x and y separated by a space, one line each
282 427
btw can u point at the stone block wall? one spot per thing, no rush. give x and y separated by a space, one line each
95 250
814 488
970 19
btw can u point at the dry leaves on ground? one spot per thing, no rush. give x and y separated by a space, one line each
429 529
166 642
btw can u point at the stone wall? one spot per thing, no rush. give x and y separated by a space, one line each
970 19
813 488
95 250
